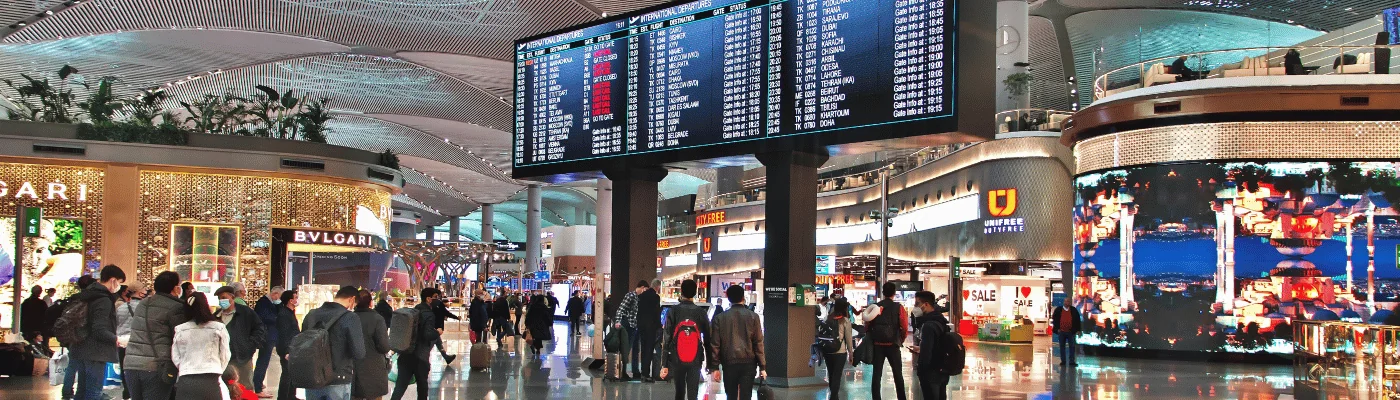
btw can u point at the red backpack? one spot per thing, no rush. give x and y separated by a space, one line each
687 343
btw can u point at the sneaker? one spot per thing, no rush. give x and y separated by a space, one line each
447 359
265 395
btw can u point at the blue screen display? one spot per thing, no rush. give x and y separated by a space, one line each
714 72
1391 18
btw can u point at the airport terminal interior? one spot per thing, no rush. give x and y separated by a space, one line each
1102 199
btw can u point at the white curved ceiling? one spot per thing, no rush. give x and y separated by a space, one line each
425 78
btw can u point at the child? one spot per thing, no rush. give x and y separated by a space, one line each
236 390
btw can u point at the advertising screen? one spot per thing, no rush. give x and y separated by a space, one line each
1224 257
57 260
711 72
1391 19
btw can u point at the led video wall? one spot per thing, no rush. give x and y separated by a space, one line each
1224 257
55 260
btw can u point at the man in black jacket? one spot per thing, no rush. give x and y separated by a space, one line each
266 308
246 333
1065 323
153 325
31 315
687 375
648 322
575 310
737 344
441 314
287 330
347 339
92 355
383 308
413 365
933 382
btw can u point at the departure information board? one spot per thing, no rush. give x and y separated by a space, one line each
713 72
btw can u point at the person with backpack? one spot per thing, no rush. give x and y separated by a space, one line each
200 351
887 325
1065 323
266 309
737 343
149 373
836 340
413 363
89 328
500 318
939 352
287 329
686 340
245 328
332 325
372 371
627 319
51 317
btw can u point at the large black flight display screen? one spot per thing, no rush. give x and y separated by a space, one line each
679 81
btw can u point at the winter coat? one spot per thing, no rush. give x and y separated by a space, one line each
687 309
247 332
287 329
1074 316
101 342
267 314
124 311
31 313
478 314
737 338
575 307
441 313
372 371
201 349
539 319
428 336
385 310
648 310
153 325
347 338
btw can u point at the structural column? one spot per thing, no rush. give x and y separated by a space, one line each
532 230
791 248
488 235
454 229
633 241
603 261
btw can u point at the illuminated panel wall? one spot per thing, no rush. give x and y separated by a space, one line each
254 204
71 197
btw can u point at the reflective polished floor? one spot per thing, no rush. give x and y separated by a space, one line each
994 372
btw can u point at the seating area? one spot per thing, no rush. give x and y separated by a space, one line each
1250 62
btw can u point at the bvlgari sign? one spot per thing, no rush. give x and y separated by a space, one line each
42 190
330 238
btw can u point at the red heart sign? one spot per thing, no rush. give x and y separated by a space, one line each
1025 291
966 294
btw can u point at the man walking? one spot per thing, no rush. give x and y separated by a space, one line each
245 331
887 327
1065 322
413 364
149 373
347 340
737 343
575 309
441 314
266 308
933 381
687 333
92 353
648 322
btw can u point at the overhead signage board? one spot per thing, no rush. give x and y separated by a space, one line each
713 78
330 238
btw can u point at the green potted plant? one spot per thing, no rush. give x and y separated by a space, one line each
1017 84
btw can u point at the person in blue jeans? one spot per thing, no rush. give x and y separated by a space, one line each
91 356
1066 325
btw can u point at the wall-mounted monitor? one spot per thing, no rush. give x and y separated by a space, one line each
1391 20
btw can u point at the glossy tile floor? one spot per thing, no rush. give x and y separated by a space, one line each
994 372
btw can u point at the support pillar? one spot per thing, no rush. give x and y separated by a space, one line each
634 196
791 248
580 216
488 235
603 259
532 230
454 229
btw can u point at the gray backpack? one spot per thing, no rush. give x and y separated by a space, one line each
310 365
402 329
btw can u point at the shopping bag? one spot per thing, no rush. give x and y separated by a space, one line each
57 365
394 370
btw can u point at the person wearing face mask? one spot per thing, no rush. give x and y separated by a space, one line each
287 329
928 364
245 330
266 308
91 355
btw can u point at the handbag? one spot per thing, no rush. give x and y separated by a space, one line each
765 392
166 370
863 352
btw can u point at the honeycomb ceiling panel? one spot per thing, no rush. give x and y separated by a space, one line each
489 144
484 28
1327 15
376 135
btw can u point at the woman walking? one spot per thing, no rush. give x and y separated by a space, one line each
839 318
371 372
200 351
478 316
539 320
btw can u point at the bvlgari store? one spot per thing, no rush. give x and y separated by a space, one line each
214 226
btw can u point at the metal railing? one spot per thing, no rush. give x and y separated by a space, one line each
1253 61
1031 119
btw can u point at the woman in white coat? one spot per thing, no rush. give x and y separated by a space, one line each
201 353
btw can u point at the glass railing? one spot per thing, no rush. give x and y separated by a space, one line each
1255 61
1031 119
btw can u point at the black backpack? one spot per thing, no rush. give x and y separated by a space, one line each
71 327
884 329
954 353
310 364
51 316
828 338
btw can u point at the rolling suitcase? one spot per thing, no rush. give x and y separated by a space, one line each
612 367
480 356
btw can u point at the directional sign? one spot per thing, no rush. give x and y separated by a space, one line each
31 221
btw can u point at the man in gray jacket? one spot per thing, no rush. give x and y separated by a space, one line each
149 372
347 342
99 348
